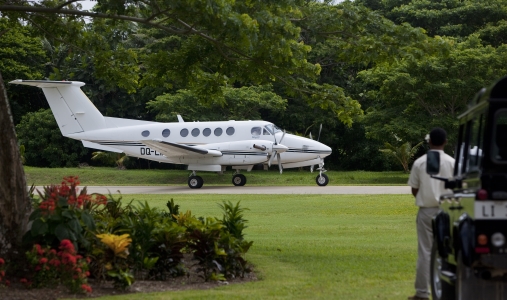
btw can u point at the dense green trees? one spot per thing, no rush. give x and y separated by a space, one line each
44 144
409 65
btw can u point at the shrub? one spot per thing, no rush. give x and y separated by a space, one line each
44 144
62 213
125 242
52 267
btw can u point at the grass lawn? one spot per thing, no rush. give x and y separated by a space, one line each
113 176
314 246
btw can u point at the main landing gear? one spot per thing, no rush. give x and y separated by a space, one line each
238 179
194 181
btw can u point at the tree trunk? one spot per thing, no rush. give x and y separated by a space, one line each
15 205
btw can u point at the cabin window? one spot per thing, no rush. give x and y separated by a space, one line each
499 147
230 131
195 132
145 133
218 131
184 132
206 132
265 132
166 132
256 131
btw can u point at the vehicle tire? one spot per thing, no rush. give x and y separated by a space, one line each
239 180
195 182
440 289
322 180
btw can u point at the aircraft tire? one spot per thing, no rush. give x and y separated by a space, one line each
239 180
322 181
195 182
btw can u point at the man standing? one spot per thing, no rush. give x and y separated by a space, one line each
427 192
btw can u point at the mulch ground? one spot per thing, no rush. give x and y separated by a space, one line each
192 281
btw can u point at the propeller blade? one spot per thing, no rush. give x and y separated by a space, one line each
283 135
318 139
279 162
311 168
311 136
271 159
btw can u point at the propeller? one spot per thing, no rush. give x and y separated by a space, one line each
318 139
277 149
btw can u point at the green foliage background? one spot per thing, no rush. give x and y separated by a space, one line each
371 71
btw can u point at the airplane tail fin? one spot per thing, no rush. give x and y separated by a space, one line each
72 109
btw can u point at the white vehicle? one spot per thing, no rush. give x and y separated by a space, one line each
203 146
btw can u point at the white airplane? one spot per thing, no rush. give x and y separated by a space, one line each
203 146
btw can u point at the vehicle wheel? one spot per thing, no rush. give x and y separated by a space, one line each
440 289
195 182
239 180
322 180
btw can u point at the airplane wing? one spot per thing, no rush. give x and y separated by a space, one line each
172 149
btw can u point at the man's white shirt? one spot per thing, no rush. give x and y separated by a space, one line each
430 189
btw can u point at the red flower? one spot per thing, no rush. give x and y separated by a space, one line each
2 261
67 245
54 262
2 273
86 288
23 280
7 283
39 249
43 260
68 258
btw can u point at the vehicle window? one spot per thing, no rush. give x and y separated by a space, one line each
230 131
195 132
166 132
218 131
265 132
460 149
476 143
184 132
206 132
145 133
256 131
499 147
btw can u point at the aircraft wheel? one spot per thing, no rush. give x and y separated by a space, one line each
195 182
322 180
239 180
440 289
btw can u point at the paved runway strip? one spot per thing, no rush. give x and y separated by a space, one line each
343 190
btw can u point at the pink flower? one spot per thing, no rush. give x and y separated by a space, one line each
43 260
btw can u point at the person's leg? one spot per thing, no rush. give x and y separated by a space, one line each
425 242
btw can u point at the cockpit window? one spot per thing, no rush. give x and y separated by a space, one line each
272 129
265 132
256 131
499 147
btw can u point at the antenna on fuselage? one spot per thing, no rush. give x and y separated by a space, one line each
180 119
